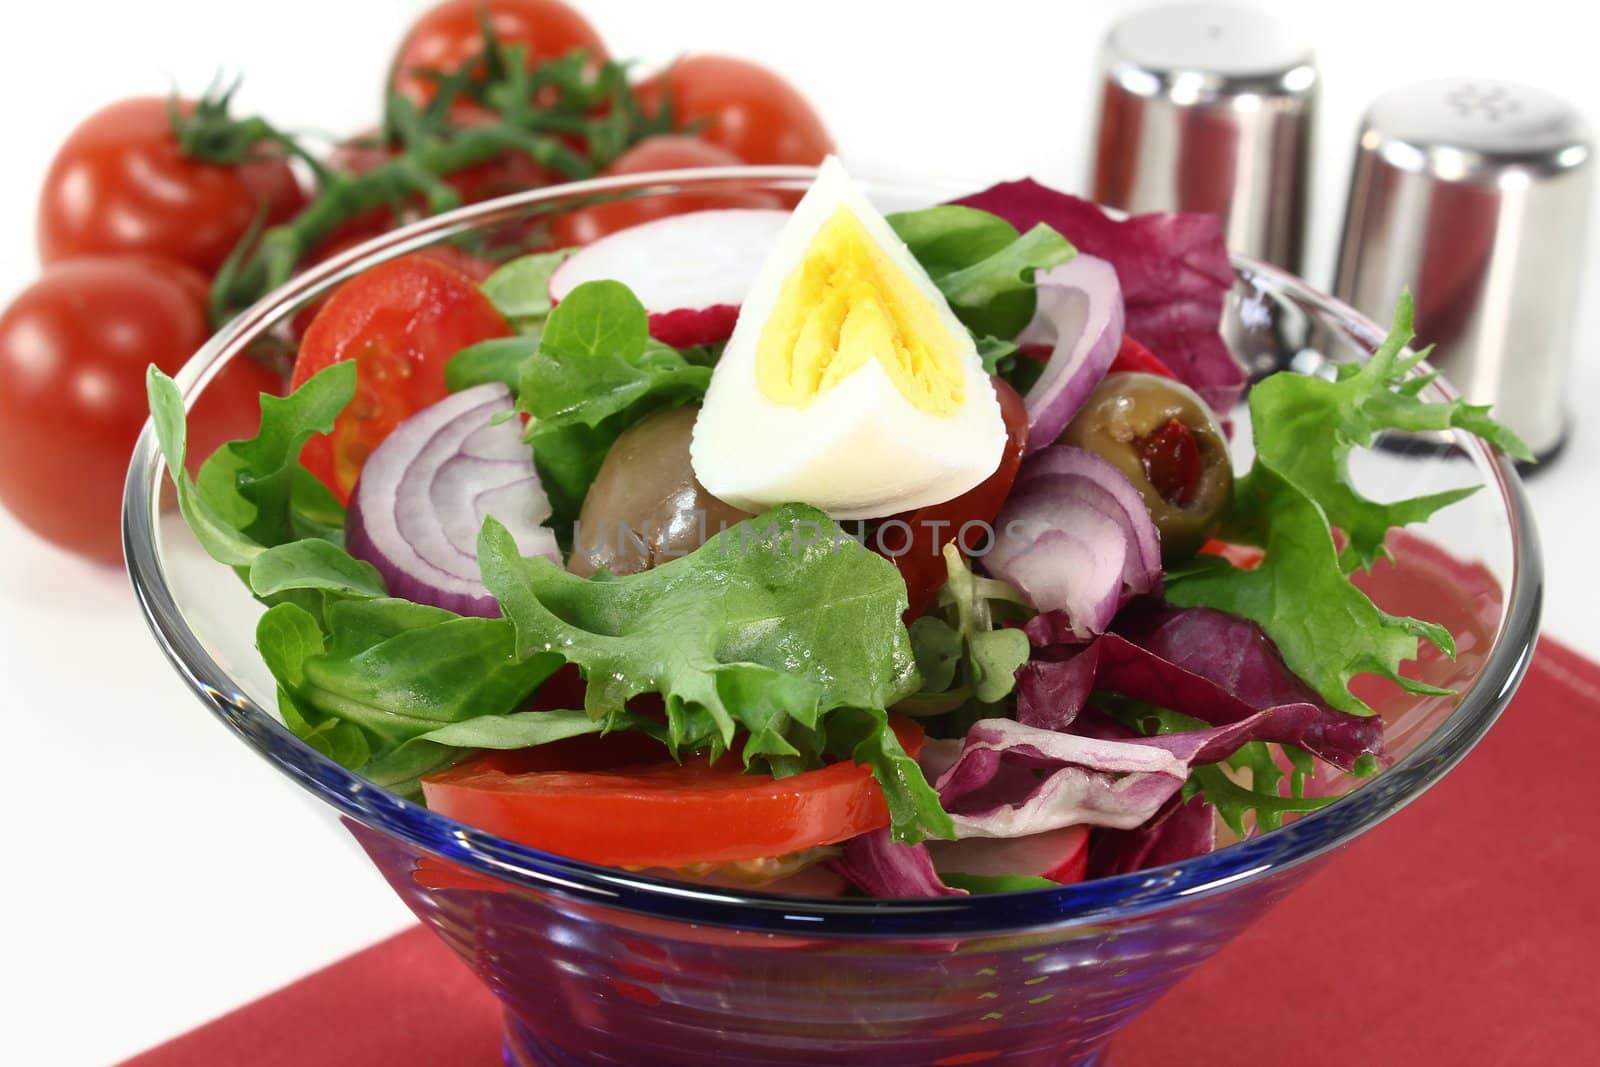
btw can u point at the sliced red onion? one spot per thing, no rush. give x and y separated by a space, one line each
1080 316
691 272
1076 539
1142 572
1062 552
425 491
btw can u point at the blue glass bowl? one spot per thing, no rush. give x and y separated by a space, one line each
602 966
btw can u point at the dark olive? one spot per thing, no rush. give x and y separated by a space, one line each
1161 435
645 506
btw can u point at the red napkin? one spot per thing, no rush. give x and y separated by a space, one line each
1463 931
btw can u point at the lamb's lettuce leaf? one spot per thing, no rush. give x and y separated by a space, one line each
591 372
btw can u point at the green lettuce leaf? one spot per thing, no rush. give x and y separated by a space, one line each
967 658
1307 428
312 563
255 508
1255 802
499 360
395 689
596 372
596 359
997 883
783 627
1294 496
521 288
982 265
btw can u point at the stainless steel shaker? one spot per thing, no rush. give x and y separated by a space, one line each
1475 194
1209 108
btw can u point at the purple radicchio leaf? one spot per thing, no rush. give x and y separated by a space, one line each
1181 830
881 867
1173 269
1012 780
1203 663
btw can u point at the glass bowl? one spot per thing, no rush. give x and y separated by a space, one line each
603 966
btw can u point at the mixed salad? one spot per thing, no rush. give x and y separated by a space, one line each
823 551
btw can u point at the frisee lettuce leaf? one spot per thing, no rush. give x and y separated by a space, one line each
981 264
1294 496
781 626
1308 427
1262 801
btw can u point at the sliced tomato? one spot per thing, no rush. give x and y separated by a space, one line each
664 814
920 554
401 322
1135 357
1245 557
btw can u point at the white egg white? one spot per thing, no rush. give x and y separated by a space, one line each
861 449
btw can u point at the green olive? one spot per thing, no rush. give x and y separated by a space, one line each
1161 435
645 506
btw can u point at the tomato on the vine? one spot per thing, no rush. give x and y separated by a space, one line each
120 184
73 351
450 34
660 813
401 322
509 172
745 108
664 152
966 518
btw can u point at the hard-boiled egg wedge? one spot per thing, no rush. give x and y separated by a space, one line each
848 383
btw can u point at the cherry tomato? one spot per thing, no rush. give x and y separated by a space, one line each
73 351
1134 357
666 152
919 555
120 184
663 814
746 108
401 322
448 35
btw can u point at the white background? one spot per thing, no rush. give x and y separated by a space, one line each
155 874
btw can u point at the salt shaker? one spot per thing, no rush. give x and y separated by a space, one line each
1475 194
1209 108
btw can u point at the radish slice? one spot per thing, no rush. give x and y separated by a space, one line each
1080 316
691 272
1075 537
1059 855
425 491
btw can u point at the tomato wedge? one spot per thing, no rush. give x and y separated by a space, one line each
664 814
401 322
1133 356
919 554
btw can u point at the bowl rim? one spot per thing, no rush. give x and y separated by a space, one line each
517 866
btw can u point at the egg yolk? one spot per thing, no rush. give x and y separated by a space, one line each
848 303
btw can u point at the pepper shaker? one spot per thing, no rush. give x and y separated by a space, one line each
1475 194
1210 108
